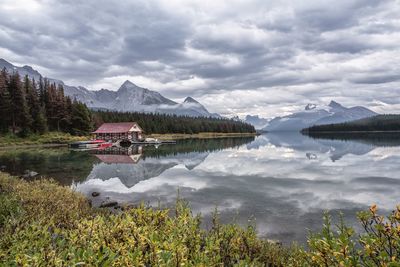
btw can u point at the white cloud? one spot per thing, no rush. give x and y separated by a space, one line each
258 57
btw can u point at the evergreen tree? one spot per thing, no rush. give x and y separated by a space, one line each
21 120
60 106
80 119
39 123
5 102
26 108
41 91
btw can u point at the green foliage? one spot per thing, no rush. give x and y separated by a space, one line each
80 119
164 123
58 228
20 117
379 245
9 208
54 226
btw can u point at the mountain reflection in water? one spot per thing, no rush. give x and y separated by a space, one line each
283 181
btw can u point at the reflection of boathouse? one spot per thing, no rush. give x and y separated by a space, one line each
119 155
130 131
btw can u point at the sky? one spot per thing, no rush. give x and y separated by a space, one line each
236 57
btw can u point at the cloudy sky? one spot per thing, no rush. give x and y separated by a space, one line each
237 57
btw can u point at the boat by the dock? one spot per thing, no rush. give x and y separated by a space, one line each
89 144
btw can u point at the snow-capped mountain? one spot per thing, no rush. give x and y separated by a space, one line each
25 70
312 115
129 97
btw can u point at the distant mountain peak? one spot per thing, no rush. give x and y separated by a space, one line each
190 100
31 70
128 83
334 104
310 106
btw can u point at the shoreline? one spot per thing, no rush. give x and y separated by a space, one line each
62 140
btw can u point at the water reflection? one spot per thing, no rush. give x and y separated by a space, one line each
284 181
59 163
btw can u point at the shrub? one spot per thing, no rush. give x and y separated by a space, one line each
44 224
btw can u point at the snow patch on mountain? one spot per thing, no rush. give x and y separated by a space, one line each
311 115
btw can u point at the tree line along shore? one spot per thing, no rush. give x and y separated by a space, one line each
378 123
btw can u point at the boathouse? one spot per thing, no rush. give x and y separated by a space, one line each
121 131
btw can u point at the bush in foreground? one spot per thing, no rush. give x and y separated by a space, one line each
42 223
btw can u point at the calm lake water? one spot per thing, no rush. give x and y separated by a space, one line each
282 182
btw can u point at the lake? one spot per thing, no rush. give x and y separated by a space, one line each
280 182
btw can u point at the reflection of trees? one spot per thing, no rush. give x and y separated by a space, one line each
60 164
370 138
196 145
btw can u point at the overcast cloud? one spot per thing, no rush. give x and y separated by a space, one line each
237 57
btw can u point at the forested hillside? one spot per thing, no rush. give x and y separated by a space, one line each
162 123
28 106
376 123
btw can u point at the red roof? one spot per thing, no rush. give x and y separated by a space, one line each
120 127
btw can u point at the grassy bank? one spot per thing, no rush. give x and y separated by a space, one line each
199 135
44 224
47 138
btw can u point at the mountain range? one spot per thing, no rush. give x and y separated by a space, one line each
312 115
129 97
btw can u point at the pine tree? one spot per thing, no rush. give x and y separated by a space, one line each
5 102
19 111
80 119
61 115
41 91
39 123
